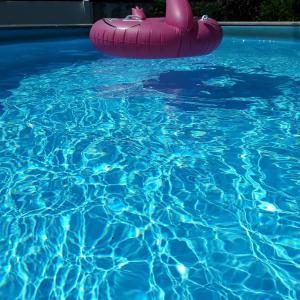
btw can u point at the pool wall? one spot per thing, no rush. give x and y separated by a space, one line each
45 12
38 33
62 12
264 30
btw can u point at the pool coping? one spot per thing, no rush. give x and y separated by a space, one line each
259 23
222 23
44 26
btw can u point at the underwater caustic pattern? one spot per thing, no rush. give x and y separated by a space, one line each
176 180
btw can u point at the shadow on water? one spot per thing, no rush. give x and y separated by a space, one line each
218 86
21 60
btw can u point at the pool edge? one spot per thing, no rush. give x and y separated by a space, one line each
39 32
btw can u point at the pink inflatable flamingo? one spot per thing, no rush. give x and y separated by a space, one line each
179 34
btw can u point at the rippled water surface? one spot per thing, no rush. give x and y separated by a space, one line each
150 179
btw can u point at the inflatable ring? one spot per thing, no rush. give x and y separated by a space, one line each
179 34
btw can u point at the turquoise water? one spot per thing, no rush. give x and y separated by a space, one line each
159 179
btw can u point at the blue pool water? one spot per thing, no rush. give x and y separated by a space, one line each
159 179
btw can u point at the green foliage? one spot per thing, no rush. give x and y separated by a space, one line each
158 8
280 10
214 10
199 8
240 10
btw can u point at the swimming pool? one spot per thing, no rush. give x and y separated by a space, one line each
159 179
